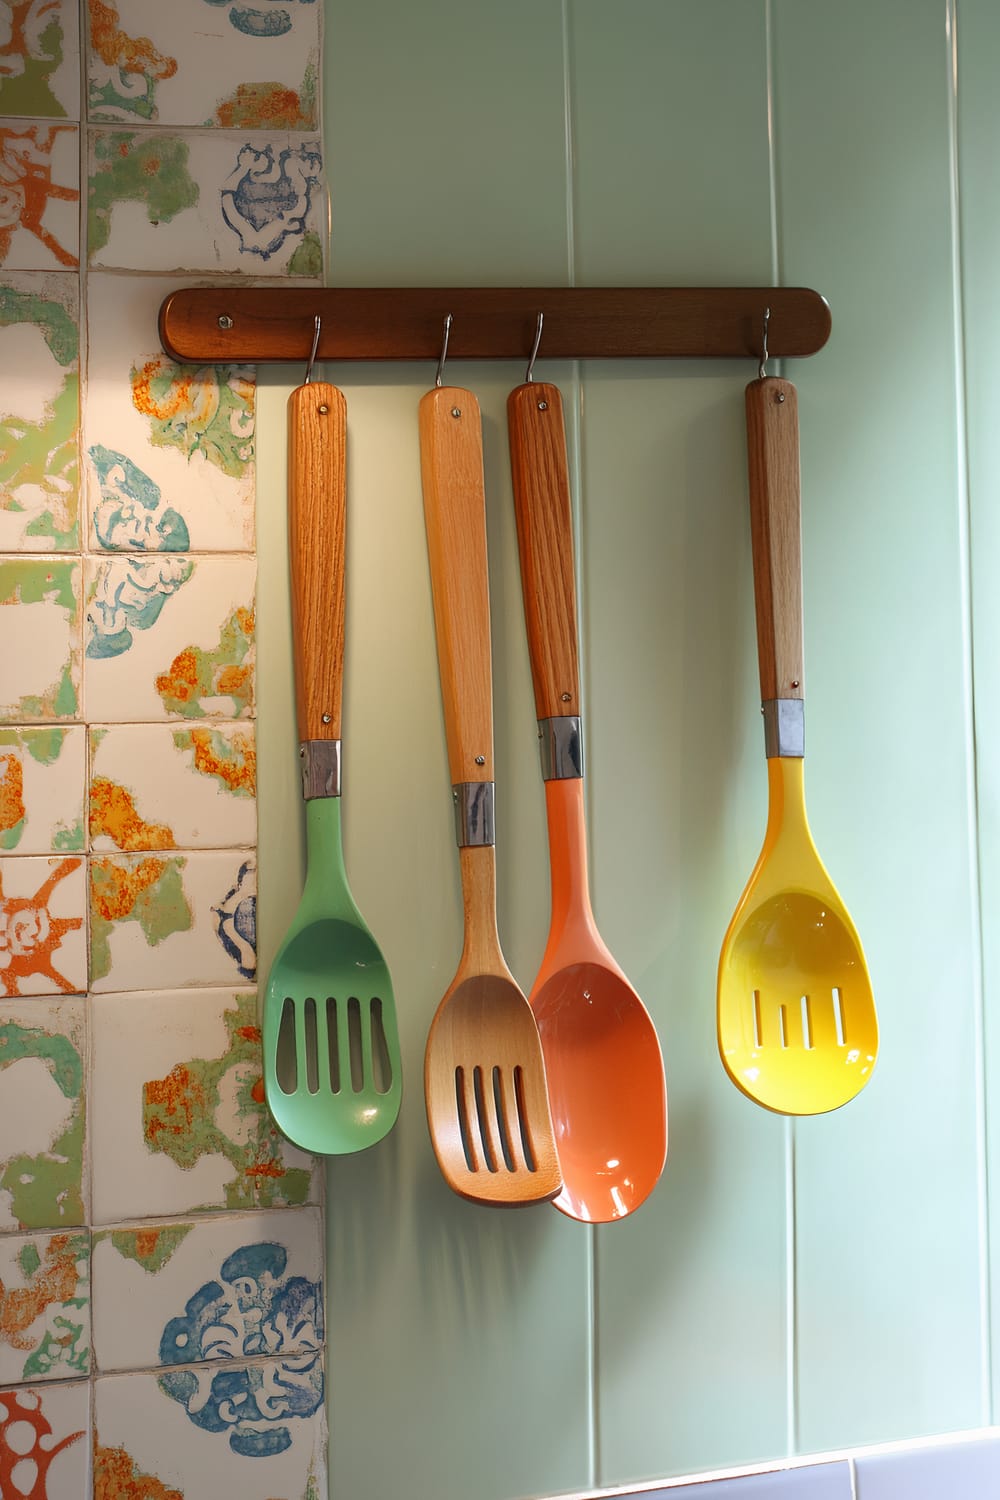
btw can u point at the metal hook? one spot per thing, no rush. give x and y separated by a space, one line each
444 351
312 351
529 377
761 371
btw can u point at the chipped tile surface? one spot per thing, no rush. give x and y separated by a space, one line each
43 929
42 1107
232 201
168 786
199 62
39 412
172 919
42 780
44 1306
257 1431
178 1120
169 637
45 1441
39 196
40 647
232 1287
169 449
40 58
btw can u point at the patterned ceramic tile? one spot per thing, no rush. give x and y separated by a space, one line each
39 196
44 1306
44 1442
42 1093
231 201
39 412
178 1120
233 1287
43 936
40 645
172 920
199 62
253 1431
170 448
40 58
168 637
163 786
42 778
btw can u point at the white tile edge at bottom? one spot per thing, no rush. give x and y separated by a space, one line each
779 1465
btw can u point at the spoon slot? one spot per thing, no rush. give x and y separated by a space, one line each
524 1128
332 1050
310 1052
286 1060
381 1063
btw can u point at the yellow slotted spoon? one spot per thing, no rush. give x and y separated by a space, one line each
796 1018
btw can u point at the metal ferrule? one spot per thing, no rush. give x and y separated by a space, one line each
320 761
784 727
474 813
560 744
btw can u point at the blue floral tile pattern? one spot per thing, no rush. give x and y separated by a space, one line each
229 202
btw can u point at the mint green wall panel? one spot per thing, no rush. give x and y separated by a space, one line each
669 109
446 143
691 1292
888 1296
788 1287
979 200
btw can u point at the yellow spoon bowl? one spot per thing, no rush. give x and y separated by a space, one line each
797 1026
795 1013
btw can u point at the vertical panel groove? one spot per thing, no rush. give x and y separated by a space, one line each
968 670
575 408
791 1281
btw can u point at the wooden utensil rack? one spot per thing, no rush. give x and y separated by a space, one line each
261 325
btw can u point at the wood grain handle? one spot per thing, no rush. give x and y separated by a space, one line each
451 466
775 531
540 474
317 445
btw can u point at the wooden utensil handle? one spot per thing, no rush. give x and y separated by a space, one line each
772 413
540 475
451 465
317 445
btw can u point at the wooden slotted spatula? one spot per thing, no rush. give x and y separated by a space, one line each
484 1077
332 1076
797 1028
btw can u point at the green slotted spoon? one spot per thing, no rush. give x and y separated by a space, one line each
332 1074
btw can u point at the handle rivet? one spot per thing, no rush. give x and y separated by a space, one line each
567 697
543 406
328 718
456 411
795 684
323 410
480 760
780 397
225 321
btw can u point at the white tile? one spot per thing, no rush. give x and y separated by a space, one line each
172 920
168 637
40 166
40 412
169 449
43 1051
43 80
43 775
177 1114
46 1433
232 201
45 1319
235 65
43 925
169 786
253 1431
229 1288
40 647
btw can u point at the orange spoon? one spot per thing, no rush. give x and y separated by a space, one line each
602 1057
